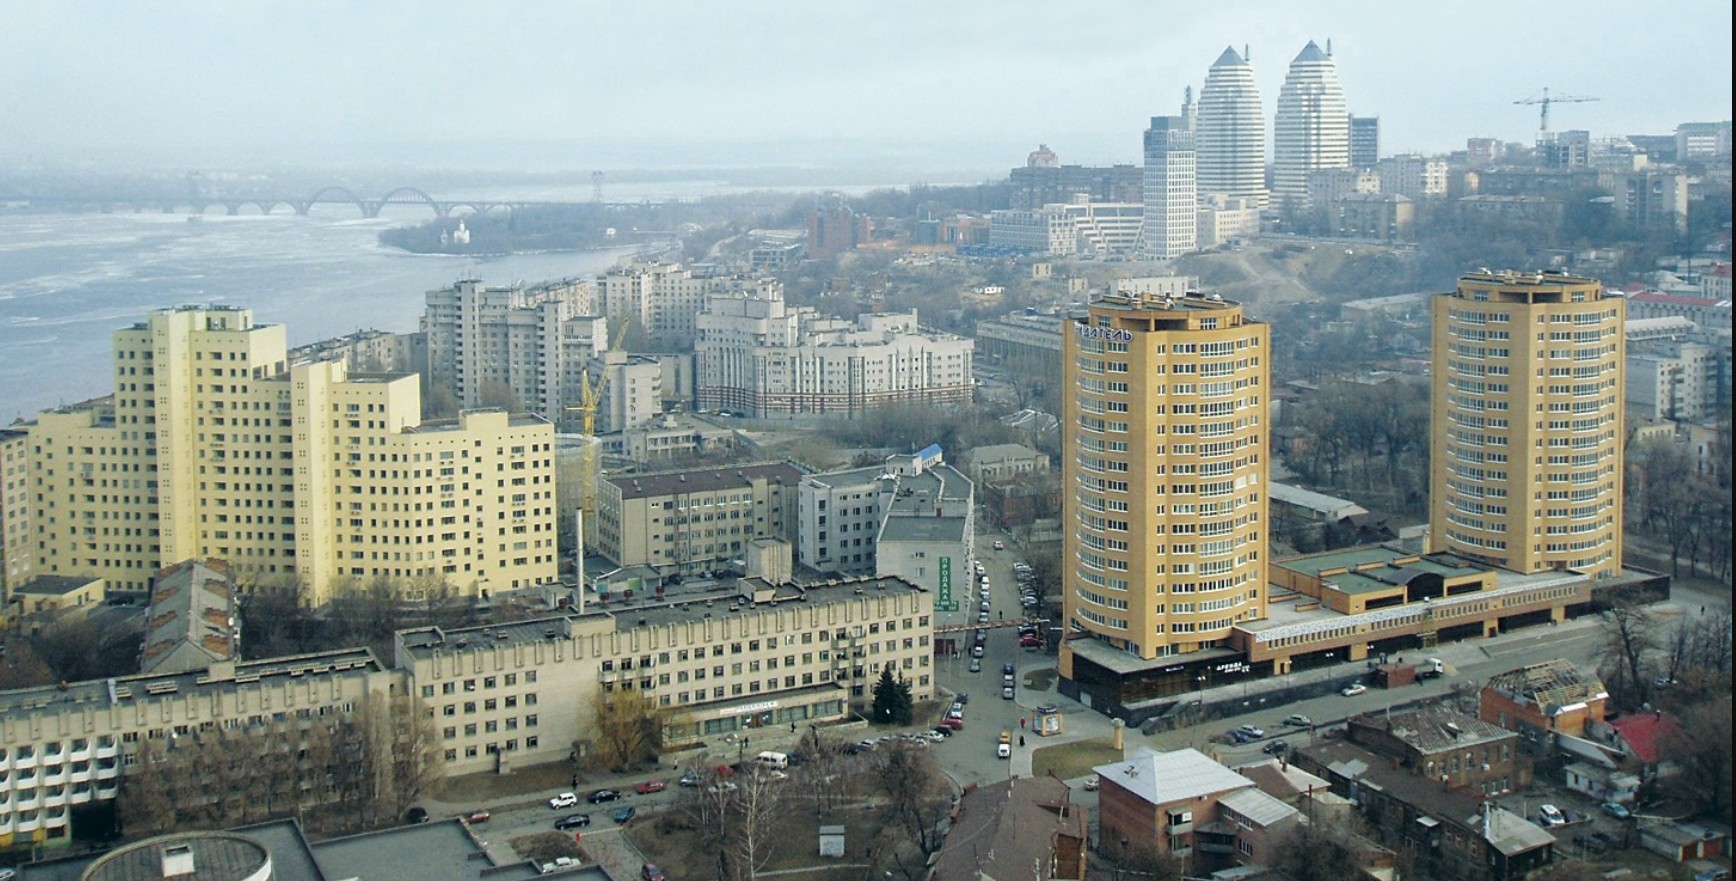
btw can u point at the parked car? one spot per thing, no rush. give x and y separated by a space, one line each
1091 783
1551 815
1003 750
1712 874
650 872
564 800
603 795
976 665
956 724
1006 692
943 730
1000 545
416 815
650 786
1353 689
722 786
1275 747
1616 810
1030 642
1007 669
976 651
1298 720
573 821
623 815
1252 730
477 816
1237 735
963 698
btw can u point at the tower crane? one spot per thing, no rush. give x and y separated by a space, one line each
1544 99
589 400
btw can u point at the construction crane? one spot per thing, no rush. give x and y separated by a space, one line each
591 398
1544 99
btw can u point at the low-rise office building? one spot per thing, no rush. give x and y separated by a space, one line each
1184 805
719 662
903 518
681 522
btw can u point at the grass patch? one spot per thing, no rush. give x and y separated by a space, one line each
543 847
1041 680
676 847
536 780
1076 759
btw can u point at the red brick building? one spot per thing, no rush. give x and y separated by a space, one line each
1542 699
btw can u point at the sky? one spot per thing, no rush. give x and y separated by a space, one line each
957 86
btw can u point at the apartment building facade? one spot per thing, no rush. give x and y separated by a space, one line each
1164 497
15 533
482 340
665 298
1527 400
214 445
901 518
758 358
681 522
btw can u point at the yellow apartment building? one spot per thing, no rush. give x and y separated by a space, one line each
1527 423
215 445
1164 490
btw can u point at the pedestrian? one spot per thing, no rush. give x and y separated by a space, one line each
1021 740
1021 723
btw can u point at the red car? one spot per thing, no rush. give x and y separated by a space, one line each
1026 642
650 786
954 724
476 816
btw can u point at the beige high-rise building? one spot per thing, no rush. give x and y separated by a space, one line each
485 343
215 445
1164 490
1526 459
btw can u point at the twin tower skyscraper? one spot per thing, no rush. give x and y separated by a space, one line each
1214 153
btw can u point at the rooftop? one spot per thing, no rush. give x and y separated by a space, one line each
924 529
1257 806
107 692
1552 685
1004 828
705 480
54 585
1166 778
1431 728
196 856
745 596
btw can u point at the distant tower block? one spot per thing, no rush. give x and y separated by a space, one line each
596 186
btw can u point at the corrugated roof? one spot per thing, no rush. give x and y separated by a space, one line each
1257 806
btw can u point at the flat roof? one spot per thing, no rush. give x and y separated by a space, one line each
1400 566
444 851
104 692
54 585
705 480
929 529
675 607
1104 655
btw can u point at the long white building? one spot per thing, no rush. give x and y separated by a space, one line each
1230 132
665 298
1311 131
757 357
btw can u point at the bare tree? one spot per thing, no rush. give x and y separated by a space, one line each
754 820
1703 748
1127 860
1319 852
22 667
917 795
1628 635
706 808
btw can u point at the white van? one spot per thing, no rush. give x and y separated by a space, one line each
773 761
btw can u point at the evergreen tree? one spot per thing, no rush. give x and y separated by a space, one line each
886 695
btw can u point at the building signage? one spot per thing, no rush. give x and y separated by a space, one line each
748 709
1112 334
945 602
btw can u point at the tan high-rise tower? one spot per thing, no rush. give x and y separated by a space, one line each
1526 466
1164 488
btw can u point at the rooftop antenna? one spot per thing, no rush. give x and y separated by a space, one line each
1328 47
1247 54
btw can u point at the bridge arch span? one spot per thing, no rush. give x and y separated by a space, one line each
325 195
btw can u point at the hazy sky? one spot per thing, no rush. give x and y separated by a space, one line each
959 84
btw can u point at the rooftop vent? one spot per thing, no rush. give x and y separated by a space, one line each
177 860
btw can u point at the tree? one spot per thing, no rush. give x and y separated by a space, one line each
626 729
1702 748
755 806
22 667
893 703
915 792
1628 635
497 394
1128 860
1318 852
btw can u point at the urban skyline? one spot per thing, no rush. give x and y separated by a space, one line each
847 74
